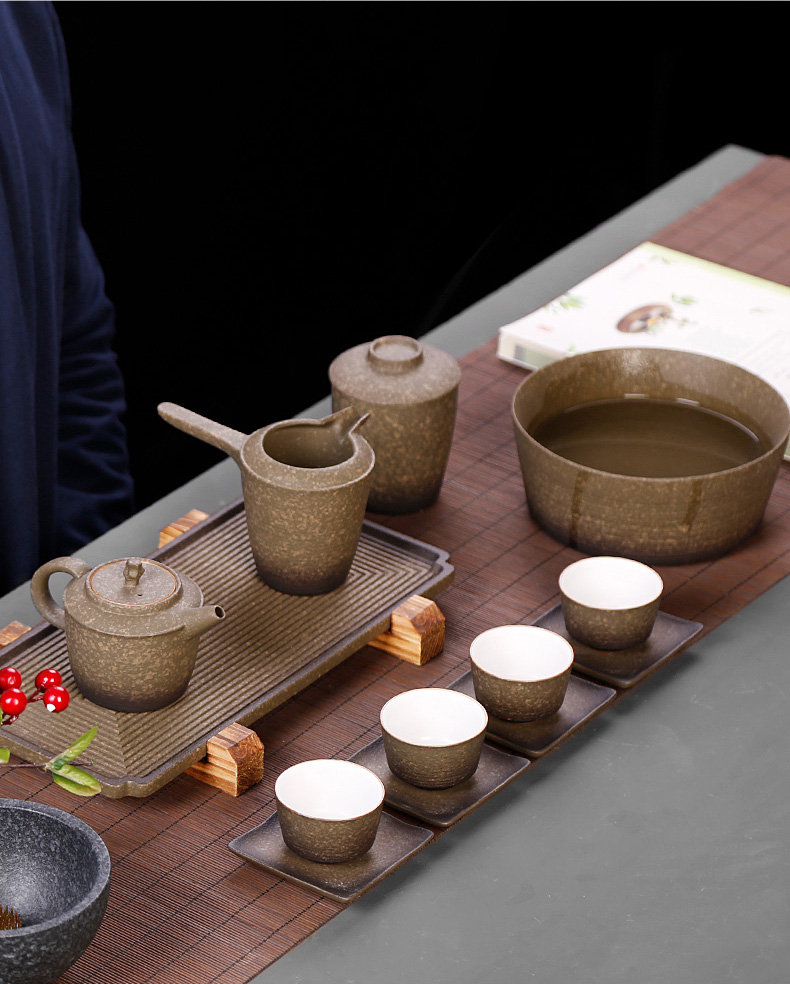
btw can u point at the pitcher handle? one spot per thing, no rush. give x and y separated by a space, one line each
39 587
225 438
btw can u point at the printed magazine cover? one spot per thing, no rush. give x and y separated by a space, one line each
658 297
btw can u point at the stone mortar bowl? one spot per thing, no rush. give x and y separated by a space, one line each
655 520
55 874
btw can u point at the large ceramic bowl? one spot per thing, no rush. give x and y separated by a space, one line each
55 874
661 520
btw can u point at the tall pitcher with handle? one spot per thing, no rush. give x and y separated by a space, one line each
305 485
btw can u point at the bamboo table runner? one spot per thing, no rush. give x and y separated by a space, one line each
184 909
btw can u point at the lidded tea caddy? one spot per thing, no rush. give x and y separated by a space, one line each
132 627
410 390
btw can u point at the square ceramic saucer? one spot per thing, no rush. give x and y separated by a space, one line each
442 807
396 842
625 667
583 700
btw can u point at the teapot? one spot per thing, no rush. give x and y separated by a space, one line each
305 486
132 627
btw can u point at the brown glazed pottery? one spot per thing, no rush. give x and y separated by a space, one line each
610 602
305 485
396 841
132 629
329 810
443 807
662 520
520 672
410 391
432 737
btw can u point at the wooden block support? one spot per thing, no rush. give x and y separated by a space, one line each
11 632
234 757
416 631
181 525
234 761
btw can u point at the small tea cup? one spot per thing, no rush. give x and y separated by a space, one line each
433 737
610 602
329 809
520 672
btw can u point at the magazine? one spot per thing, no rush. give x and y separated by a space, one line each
658 297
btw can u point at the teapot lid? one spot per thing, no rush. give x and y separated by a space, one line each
134 586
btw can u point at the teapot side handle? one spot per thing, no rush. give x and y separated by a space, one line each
39 587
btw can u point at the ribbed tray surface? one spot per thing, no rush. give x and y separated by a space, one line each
268 647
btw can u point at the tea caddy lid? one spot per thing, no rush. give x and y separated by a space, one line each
394 369
133 586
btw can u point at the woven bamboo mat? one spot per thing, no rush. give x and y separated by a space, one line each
183 908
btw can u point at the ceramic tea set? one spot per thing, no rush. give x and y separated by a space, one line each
433 738
307 485
133 625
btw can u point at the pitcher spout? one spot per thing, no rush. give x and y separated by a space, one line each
345 422
197 620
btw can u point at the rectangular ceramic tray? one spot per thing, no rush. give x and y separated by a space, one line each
268 648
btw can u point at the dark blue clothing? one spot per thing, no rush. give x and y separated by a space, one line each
64 475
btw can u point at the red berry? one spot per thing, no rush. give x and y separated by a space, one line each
10 678
13 702
56 699
48 678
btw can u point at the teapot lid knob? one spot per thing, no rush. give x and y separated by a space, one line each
134 570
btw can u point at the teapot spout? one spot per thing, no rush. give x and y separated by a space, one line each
197 620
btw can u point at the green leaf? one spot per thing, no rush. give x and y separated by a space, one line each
56 764
77 781
73 787
5 755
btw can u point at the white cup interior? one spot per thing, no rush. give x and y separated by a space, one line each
521 652
433 717
611 583
329 789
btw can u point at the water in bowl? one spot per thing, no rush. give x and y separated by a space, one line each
649 438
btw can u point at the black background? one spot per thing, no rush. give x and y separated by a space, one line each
267 184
